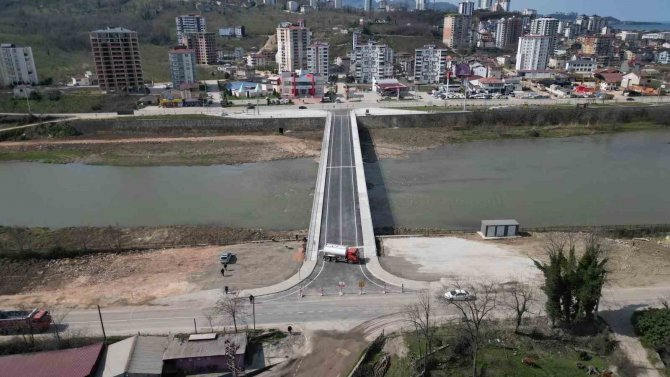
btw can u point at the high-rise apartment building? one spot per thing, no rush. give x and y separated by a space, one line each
508 31
533 53
337 4
17 65
420 4
457 32
318 59
371 60
485 4
466 8
116 55
190 23
548 27
595 24
602 47
367 5
430 65
204 45
293 41
182 66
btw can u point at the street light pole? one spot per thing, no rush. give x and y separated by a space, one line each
253 308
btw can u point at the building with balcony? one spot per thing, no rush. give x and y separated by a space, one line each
371 60
116 55
293 41
204 45
17 65
182 66
190 23
430 65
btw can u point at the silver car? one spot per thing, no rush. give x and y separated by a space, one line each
458 295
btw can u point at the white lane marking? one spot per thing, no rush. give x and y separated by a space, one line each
341 154
341 167
330 156
323 264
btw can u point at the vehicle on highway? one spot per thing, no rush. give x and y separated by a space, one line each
630 99
24 322
458 295
340 253
302 107
225 258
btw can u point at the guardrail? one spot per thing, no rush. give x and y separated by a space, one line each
319 190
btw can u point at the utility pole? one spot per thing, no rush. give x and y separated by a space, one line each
102 325
253 308
195 326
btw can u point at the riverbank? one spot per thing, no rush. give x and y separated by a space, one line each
400 142
53 243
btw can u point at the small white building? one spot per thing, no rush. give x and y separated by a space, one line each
663 57
582 65
492 229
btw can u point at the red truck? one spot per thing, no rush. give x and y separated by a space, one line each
340 253
24 322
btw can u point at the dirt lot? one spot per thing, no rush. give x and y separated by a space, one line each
140 277
205 150
632 263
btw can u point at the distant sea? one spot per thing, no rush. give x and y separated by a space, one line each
664 26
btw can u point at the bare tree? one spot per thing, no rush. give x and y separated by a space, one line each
232 307
519 297
21 238
57 323
475 312
209 314
419 314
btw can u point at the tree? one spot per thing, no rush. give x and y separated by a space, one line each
573 287
419 314
475 312
519 298
232 307
21 238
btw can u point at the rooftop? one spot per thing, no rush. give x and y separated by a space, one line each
183 348
73 362
117 29
134 355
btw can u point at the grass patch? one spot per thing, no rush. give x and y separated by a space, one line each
71 101
51 157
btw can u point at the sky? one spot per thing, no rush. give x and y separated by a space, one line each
627 10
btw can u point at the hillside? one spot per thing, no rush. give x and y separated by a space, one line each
57 30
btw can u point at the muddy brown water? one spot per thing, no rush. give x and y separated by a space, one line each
603 179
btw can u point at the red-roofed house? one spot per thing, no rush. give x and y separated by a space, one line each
73 362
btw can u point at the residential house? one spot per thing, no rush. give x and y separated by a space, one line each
205 353
634 79
137 356
73 362
610 79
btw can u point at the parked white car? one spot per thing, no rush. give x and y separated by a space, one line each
458 295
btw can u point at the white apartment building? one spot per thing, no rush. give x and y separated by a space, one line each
466 8
485 4
367 5
182 66
292 44
17 65
533 53
508 31
337 4
420 4
430 65
547 27
190 23
457 33
371 60
662 35
318 58
583 65
628 36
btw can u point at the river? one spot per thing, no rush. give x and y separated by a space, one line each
604 179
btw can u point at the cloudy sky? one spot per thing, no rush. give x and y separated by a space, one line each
634 10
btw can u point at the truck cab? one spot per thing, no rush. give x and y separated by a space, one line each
340 253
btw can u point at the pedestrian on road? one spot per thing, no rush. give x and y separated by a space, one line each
223 271
225 266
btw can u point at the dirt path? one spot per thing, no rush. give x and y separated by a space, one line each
138 278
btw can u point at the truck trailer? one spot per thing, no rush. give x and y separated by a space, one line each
24 322
340 253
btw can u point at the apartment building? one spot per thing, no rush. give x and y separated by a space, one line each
293 41
232 31
457 32
367 5
204 45
466 8
602 47
508 31
371 60
420 5
116 55
318 59
17 65
190 23
182 66
547 27
533 53
430 65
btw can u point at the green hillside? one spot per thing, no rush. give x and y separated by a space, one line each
57 30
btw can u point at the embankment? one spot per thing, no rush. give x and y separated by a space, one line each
20 243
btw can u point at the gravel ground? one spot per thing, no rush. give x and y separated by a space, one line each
141 277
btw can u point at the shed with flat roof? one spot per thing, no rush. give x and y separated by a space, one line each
137 356
499 228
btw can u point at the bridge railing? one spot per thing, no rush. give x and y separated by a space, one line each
319 190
